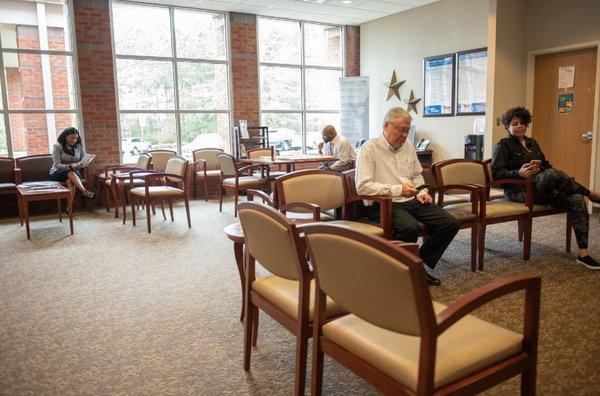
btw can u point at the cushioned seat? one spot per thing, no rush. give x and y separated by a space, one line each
365 228
307 216
7 186
126 181
496 208
284 294
469 345
210 173
542 208
243 181
461 214
157 191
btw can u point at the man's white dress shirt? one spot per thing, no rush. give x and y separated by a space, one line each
342 150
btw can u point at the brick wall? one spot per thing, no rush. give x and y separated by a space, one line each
352 49
96 79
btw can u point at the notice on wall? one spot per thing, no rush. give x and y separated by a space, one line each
354 108
472 82
565 102
439 85
566 76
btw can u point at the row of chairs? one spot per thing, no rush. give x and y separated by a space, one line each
391 333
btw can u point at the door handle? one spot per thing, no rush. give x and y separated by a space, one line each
587 136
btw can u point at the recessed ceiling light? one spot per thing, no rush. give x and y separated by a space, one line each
347 2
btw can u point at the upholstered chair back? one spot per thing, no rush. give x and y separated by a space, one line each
367 277
34 167
160 158
7 170
319 187
144 161
461 171
176 166
227 164
270 239
209 155
259 152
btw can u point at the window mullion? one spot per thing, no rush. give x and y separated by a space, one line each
175 80
302 89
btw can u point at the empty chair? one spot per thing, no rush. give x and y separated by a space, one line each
285 294
175 173
396 337
206 167
111 185
160 159
258 153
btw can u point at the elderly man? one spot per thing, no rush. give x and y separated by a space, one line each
333 144
388 165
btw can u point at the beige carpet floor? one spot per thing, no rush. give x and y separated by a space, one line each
113 310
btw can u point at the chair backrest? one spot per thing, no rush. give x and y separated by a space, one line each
7 170
320 187
34 167
209 155
460 171
272 240
260 152
160 158
393 292
488 168
227 164
177 166
144 161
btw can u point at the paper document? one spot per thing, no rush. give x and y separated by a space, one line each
86 160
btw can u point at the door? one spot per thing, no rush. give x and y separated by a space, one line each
559 133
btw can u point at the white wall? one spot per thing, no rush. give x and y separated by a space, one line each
400 42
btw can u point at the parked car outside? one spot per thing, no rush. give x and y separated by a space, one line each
281 138
312 140
135 146
204 140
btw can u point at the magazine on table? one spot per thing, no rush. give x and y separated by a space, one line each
41 185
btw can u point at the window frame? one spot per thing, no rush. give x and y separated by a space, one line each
173 60
303 111
6 112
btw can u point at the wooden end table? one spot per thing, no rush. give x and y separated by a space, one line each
55 191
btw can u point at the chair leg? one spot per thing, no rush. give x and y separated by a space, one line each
205 189
528 382
248 325
171 210
520 227
107 199
235 202
124 203
527 240
317 368
187 210
195 187
301 352
148 216
480 244
162 207
221 199
133 203
569 233
153 204
59 209
474 248
255 327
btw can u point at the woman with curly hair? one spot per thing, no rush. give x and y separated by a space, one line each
67 153
520 157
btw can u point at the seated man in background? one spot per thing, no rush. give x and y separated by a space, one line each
388 165
333 144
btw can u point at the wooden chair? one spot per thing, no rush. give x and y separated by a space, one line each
285 295
257 153
175 173
457 176
206 166
236 178
400 340
105 179
160 159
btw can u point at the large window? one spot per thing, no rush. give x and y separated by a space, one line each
172 79
38 96
300 67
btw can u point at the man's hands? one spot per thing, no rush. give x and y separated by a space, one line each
320 146
408 190
528 170
424 198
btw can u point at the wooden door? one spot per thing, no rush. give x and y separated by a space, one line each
560 133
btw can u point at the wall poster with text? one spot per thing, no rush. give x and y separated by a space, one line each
472 82
438 93
354 108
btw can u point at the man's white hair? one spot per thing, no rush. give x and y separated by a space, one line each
395 113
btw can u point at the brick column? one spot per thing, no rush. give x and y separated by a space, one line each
96 79
244 66
352 49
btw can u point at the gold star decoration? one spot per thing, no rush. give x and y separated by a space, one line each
412 102
394 86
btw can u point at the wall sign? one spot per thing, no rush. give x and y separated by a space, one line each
472 82
438 93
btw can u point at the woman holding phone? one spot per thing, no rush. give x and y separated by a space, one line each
520 157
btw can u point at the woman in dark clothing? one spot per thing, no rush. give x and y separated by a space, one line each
67 153
520 157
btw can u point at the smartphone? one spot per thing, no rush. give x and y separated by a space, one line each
422 187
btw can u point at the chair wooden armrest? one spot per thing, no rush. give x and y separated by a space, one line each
410 246
315 209
251 193
197 162
481 296
262 167
18 175
477 194
385 210
520 182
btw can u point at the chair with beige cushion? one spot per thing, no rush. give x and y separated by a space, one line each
106 178
236 178
160 159
320 195
257 153
173 186
400 340
206 166
286 293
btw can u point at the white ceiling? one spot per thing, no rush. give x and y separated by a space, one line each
331 11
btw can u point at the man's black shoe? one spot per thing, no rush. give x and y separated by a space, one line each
588 261
432 280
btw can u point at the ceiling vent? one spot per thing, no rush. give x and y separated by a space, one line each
312 1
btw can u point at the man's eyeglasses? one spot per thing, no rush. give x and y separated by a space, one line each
399 130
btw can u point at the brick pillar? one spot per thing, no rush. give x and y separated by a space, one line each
244 66
352 49
96 79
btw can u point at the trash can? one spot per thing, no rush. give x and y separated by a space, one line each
474 147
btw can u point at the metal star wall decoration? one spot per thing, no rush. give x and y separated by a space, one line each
412 102
394 86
